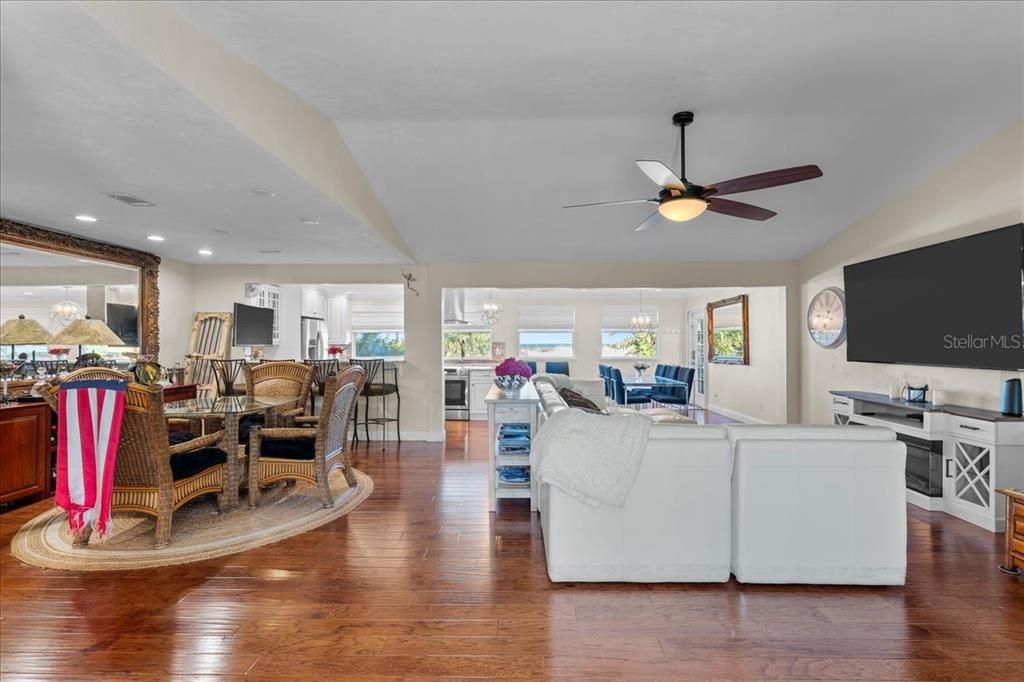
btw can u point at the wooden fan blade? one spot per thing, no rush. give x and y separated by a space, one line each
739 209
615 203
661 174
773 178
651 221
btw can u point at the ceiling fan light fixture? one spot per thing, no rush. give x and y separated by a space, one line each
682 209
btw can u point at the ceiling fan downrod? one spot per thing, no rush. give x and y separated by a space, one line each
681 120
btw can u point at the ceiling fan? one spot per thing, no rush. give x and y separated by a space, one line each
680 200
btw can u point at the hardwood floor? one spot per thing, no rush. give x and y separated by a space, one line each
421 582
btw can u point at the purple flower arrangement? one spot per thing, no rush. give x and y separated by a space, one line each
512 374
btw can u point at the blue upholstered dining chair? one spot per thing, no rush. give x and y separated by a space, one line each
622 396
557 368
532 365
679 394
605 373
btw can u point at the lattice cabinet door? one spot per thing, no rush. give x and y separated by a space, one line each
840 419
973 473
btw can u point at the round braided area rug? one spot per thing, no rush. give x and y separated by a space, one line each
198 531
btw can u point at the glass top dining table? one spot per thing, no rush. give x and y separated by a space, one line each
240 405
650 381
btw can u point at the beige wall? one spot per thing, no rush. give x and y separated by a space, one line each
756 391
982 190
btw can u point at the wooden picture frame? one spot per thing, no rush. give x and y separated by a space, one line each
744 357
35 237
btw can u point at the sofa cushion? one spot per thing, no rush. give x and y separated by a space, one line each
188 464
549 398
807 432
659 415
574 399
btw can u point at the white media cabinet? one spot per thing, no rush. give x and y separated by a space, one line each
981 450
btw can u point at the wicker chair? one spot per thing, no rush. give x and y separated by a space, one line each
305 454
281 380
151 476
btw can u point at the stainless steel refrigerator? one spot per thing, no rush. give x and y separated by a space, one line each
314 339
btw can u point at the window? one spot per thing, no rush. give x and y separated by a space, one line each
467 344
619 340
378 325
546 331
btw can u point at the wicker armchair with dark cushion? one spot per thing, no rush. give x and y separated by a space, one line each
308 454
152 476
276 379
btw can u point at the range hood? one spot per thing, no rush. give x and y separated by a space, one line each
453 306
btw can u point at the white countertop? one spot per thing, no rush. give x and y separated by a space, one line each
527 394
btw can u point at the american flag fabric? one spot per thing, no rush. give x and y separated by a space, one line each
90 413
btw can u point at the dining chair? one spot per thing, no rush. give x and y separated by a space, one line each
52 367
557 367
378 386
276 379
532 365
624 397
678 395
151 476
304 454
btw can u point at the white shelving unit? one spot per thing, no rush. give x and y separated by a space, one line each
502 408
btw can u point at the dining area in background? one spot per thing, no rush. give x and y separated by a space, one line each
669 385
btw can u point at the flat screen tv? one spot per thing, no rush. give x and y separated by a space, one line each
253 326
957 304
123 320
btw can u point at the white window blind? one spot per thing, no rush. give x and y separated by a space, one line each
619 317
538 317
378 313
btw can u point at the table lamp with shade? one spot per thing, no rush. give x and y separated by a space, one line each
87 332
20 332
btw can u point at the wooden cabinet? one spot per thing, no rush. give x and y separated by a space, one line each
1014 562
25 451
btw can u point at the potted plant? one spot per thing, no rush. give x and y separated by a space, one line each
512 374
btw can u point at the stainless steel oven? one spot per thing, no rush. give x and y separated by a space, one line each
456 395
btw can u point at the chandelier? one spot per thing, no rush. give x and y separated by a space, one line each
492 310
66 311
641 322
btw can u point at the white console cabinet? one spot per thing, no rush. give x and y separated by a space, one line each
981 451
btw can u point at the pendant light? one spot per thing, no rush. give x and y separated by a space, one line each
66 311
492 309
641 322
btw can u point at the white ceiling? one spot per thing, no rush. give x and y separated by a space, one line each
475 122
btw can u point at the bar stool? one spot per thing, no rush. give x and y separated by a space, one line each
377 386
227 373
321 370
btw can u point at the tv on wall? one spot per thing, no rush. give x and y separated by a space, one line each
123 320
253 326
957 304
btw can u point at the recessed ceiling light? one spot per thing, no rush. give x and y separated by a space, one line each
262 192
85 218
155 238
270 251
205 252
310 221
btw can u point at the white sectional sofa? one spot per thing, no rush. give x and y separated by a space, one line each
769 504
818 504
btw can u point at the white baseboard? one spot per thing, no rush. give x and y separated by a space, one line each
733 414
422 436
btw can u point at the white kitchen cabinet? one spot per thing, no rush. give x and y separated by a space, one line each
314 303
480 382
337 319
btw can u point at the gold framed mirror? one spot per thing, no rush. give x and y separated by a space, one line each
728 331
138 270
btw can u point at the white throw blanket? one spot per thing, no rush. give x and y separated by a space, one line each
593 457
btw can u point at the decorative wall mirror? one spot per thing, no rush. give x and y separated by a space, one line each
728 333
88 296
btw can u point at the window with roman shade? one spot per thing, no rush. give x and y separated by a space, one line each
620 340
378 325
546 330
